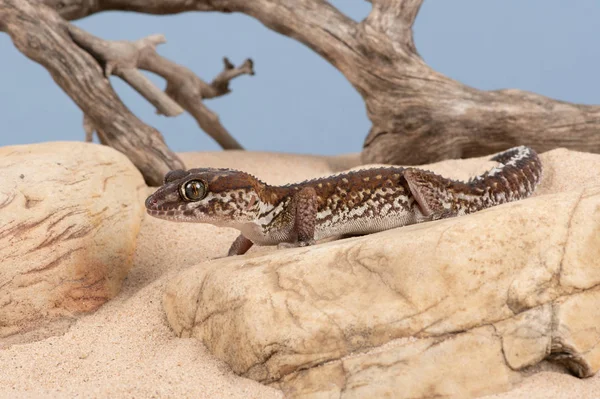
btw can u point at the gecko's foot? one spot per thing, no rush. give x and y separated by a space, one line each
447 214
285 245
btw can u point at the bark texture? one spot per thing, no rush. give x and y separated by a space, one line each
418 115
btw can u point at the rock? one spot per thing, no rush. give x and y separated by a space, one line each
441 367
474 301
69 216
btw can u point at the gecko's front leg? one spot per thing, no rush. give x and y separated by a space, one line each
305 218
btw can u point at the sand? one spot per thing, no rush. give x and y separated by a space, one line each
126 349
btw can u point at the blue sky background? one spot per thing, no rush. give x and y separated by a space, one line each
297 102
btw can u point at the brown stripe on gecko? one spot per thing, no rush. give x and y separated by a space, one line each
357 202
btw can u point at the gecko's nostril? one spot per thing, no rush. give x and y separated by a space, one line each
150 202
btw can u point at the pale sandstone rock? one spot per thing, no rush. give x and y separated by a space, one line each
447 366
69 216
482 297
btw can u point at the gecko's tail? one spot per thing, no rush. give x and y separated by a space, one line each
516 178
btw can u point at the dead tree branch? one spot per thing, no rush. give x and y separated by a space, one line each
220 84
121 58
395 18
417 114
43 36
88 128
188 90
184 88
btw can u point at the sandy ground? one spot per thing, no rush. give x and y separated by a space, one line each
553 385
126 348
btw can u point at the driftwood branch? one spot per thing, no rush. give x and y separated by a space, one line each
43 36
184 88
121 58
188 90
423 116
395 18
417 114
220 85
88 128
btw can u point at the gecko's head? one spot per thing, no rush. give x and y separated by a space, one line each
222 197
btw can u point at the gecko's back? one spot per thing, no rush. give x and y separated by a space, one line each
361 202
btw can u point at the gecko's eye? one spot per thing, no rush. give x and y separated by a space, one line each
193 190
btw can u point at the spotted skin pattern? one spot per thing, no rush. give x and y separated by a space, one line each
353 203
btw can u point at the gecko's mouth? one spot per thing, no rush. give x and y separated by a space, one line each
154 209
167 215
160 213
172 215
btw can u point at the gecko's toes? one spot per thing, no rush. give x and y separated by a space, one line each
284 245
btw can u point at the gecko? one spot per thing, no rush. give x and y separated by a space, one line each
353 203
